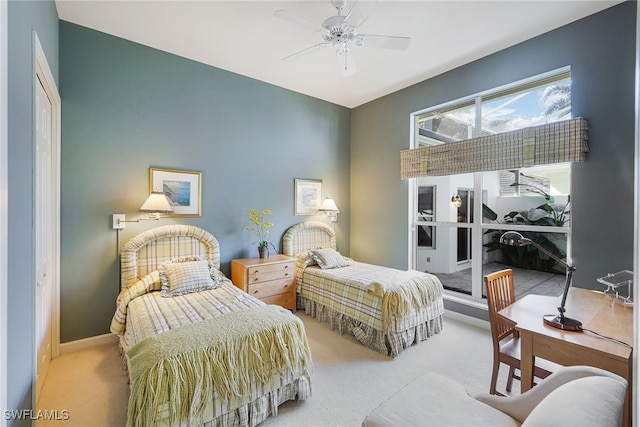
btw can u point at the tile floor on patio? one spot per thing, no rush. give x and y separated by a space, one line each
525 281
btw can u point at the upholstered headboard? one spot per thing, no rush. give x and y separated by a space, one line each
145 252
307 235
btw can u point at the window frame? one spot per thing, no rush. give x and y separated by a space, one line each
478 227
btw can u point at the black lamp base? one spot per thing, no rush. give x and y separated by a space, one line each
562 322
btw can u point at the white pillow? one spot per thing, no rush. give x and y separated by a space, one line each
183 276
328 258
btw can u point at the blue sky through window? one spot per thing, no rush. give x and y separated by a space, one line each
523 107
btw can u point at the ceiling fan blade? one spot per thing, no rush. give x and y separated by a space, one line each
384 42
359 13
306 51
346 62
295 19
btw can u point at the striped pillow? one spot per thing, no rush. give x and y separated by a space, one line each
328 258
305 259
183 276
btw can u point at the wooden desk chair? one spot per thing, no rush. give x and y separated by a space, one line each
500 294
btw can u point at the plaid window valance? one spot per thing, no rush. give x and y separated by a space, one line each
557 142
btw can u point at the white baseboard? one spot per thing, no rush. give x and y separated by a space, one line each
83 344
463 318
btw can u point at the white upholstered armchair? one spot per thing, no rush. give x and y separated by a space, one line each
572 396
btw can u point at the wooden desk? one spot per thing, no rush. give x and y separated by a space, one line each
597 313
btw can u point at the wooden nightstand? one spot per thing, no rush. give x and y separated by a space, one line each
271 280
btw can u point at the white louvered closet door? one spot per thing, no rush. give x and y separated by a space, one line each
44 233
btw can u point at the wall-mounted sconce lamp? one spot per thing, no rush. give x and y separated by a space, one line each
156 204
456 200
329 207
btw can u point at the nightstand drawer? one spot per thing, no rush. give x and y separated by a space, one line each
263 273
273 287
283 300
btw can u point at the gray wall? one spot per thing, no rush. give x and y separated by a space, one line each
126 107
601 51
24 18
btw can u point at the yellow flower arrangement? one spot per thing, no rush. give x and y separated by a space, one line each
260 227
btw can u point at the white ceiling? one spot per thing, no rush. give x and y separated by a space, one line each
246 38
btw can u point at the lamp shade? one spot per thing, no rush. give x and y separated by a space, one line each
157 202
328 205
513 238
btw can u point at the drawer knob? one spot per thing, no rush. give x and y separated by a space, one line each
255 279
286 266
255 292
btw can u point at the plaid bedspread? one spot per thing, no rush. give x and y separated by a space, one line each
152 313
144 312
345 290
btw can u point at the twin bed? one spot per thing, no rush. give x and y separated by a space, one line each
202 352
385 309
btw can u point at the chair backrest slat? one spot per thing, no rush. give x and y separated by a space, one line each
500 294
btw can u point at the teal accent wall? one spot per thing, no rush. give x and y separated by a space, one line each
601 52
25 18
127 107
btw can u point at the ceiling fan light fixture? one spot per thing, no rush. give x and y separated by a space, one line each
346 28
334 23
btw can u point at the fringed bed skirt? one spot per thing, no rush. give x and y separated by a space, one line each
250 414
390 343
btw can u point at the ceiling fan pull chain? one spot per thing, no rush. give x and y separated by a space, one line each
346 66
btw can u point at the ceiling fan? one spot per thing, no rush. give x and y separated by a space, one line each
340 31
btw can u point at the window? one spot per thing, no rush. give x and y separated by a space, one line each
447 125
426 203
533 201
539 102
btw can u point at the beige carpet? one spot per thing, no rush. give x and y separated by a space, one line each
349 380
92 385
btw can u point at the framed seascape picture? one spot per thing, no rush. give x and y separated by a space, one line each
182 188
307 196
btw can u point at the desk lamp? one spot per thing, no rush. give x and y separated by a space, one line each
513 238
